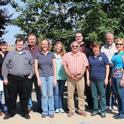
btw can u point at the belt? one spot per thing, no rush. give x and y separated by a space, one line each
18 76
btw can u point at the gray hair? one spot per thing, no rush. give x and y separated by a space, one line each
109 33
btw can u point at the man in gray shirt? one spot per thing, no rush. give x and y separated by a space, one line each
17 70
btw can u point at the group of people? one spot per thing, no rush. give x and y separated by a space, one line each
95 71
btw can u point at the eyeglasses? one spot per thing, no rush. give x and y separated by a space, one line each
119 44
74 46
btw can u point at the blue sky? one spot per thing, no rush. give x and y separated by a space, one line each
11 30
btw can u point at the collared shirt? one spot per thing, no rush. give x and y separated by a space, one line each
45 63
109 51
75 62
32 50
98 66
18 64
60 72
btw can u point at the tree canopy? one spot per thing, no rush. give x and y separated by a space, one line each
4 18
60 19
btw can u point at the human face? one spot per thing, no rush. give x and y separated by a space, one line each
4 48
96 50
119 45
32 40
19 46
44 45
58 48
75 47
109 39
79 37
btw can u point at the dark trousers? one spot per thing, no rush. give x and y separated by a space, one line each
17 86
37 89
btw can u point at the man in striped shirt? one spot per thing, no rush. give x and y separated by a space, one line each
75 63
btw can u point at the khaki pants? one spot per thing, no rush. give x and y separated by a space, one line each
80 86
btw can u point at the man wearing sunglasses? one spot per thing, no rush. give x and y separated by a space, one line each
75 63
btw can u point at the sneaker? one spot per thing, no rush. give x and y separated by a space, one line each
61 110
57 111
114 108
43 116
51 116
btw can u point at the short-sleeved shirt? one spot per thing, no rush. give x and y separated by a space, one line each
75 62
45 63
118 61
60 72
98 66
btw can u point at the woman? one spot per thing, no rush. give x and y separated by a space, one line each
59 51
45 69
118 76
97 75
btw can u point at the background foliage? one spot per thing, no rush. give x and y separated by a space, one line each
60 19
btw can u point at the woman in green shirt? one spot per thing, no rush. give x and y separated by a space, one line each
59 51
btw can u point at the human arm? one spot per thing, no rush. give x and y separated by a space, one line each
54 71
37 72
107 74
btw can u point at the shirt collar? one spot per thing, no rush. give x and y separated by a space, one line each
111 46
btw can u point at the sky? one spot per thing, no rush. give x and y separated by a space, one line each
11 30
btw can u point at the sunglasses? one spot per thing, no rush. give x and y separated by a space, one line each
119 44
74 46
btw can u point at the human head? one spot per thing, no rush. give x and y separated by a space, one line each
79 37
45 45
109 38
119 42
19 44
3 46
32 39
59 47
75 46
96 46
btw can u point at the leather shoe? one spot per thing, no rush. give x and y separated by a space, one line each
103 115
70 113
82 113
7 116
94 113
26 116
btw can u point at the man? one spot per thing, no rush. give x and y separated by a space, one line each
75 64
3 53
82 48
33 49
17 70
109 49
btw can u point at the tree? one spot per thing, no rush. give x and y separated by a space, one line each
4 18
59 19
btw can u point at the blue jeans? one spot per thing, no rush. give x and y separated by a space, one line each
120 95
47 98
98 95
58 94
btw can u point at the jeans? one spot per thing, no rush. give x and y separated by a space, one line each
58 94
47 98
120 95
98 95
